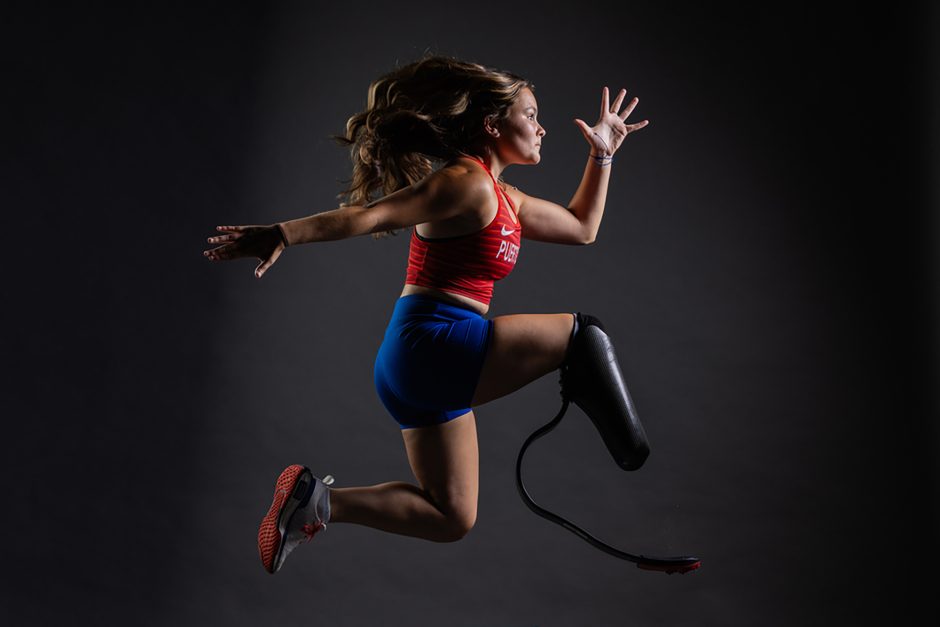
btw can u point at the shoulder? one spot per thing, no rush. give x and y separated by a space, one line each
466 171
459 179
515 194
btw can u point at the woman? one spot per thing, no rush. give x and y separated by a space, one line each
440 357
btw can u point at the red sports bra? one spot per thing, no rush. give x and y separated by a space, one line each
468 264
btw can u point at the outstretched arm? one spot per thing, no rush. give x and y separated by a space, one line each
438 196
579 223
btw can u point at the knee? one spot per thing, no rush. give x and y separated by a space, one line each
458 524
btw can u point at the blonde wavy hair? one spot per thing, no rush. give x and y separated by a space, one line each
429 110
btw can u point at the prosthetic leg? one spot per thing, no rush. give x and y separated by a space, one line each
591 379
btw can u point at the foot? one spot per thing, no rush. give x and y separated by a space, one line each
301 508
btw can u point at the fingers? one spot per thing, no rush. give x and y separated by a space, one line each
261 269
618 101
226 250
217 254
223 252
629 108
613 108
637 126
223 238
234 233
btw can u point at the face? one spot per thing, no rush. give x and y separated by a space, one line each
520 134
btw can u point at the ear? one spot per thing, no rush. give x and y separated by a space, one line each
490 125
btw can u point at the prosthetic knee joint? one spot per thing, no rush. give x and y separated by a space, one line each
591 379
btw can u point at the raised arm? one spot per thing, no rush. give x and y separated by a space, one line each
440 195
579 223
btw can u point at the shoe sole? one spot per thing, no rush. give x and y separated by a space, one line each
291 492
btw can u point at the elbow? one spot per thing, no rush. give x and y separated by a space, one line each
365 221
585 234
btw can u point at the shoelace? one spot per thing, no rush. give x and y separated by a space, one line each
311 528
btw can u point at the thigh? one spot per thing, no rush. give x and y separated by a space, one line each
524 347
445 461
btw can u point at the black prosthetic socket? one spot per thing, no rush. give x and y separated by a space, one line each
583 320
591 379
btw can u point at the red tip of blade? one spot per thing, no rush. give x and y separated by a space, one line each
669 568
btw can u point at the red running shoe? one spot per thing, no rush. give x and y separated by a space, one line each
300 509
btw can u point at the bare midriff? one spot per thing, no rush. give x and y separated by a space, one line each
457 299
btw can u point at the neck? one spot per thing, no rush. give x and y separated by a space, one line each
492 161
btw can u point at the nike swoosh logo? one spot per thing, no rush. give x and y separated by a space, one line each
509 232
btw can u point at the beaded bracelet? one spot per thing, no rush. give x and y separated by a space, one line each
602 160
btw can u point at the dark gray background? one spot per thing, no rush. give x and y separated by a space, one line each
766 267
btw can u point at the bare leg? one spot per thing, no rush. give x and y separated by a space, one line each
445 458
525 348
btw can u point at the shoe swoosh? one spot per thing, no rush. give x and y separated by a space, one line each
509 232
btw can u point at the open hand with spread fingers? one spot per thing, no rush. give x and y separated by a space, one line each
264 242
611 129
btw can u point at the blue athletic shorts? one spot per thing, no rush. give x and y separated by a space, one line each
428 366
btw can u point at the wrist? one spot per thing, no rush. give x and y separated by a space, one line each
603 157
283 233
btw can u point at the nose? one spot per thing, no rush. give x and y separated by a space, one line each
542 132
